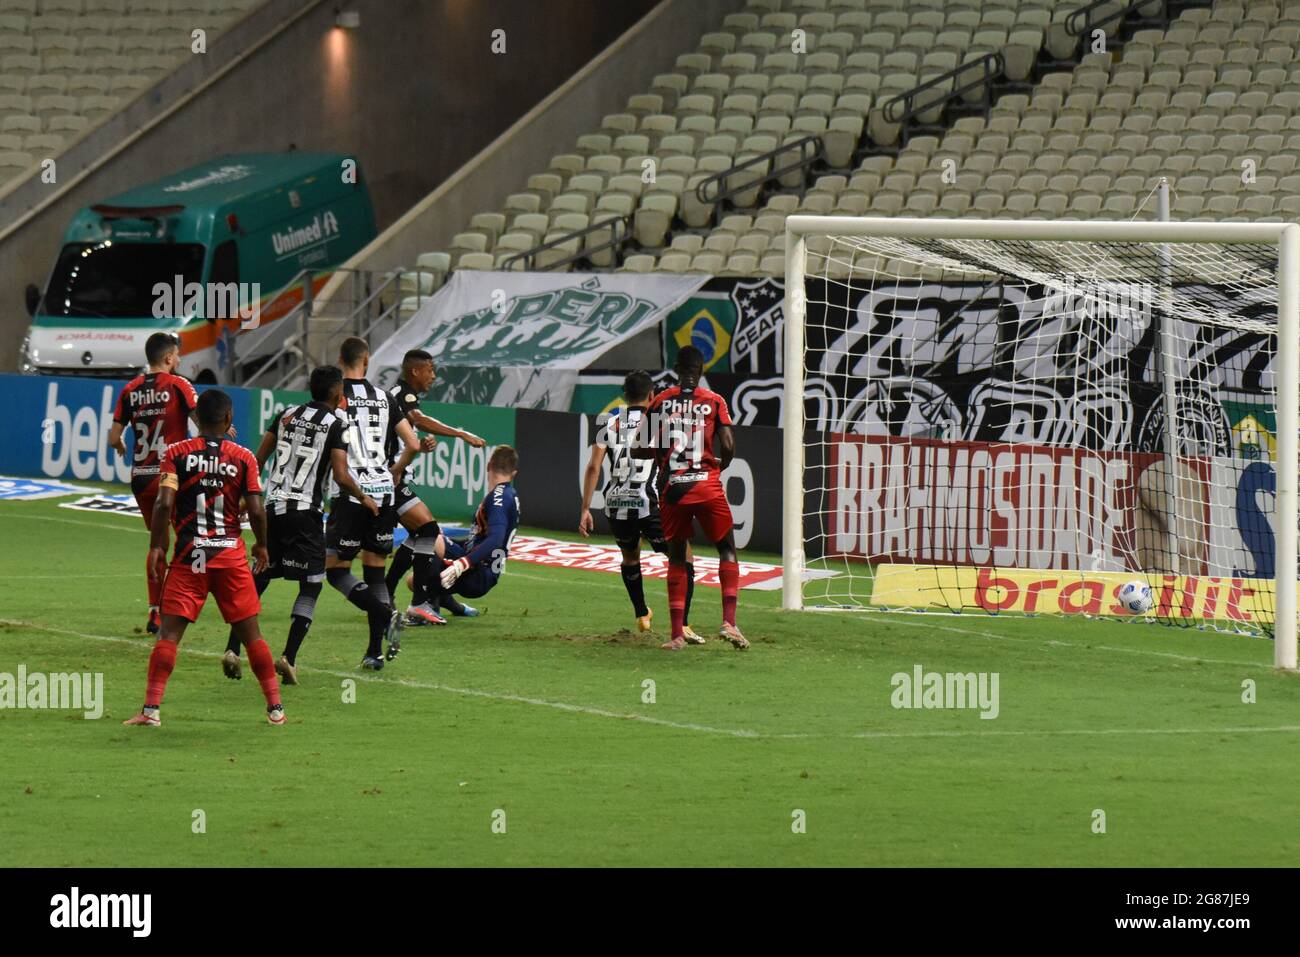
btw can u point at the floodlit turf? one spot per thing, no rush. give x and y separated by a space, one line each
536 710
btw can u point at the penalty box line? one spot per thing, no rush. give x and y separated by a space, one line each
681 725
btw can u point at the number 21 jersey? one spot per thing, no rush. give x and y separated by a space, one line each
682 427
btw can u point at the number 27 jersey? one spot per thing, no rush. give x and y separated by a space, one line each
682 428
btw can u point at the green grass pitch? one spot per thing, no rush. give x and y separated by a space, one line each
536 710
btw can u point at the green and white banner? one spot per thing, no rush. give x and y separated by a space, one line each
501 320
515 387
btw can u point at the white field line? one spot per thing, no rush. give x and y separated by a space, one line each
679 725
73 521
63 578
424 685
1053 642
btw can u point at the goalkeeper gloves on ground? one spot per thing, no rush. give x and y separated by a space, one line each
453 571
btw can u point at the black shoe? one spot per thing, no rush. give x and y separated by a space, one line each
372 664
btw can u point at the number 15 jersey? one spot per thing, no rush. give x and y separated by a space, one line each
682 428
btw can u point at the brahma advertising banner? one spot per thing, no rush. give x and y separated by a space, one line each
1025 506
1000 514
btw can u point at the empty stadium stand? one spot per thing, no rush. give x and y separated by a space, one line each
65 65
910 107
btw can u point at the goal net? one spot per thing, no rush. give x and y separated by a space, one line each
1021 417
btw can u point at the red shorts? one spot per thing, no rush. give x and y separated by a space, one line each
713 514
185 590
145 489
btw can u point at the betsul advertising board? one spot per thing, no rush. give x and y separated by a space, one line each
58 427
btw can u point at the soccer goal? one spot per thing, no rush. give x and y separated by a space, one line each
1020 417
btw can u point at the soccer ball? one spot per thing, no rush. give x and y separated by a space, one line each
1136 597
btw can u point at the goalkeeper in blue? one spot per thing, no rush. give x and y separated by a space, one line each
471 567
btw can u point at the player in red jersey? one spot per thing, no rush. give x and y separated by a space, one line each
683 421
158 406
206 478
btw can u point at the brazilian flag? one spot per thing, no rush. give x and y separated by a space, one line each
706 323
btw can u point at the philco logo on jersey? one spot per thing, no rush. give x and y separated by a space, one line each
150 396
210 464
685 406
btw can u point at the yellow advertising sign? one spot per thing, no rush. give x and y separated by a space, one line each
1245 602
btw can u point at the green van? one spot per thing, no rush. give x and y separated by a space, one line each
210 253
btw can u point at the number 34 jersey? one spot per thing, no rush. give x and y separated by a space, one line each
157 405
682 427
210 477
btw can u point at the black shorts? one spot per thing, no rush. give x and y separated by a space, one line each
630 531
351 529
296 541
406 499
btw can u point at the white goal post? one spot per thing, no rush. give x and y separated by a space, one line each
1116 401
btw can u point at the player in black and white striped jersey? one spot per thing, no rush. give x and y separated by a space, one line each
374 421
631 498
420 548
309 445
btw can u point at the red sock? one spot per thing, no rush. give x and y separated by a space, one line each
729 576
677 597
161 662
259 656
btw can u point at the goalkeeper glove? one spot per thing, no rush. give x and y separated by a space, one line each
453 571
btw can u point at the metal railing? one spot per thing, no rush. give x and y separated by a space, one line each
244 348
809 149
1086 19
619 231
292 361
905 107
